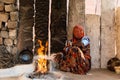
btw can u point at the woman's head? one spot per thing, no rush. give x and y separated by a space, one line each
78 32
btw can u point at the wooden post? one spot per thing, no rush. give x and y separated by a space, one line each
117 25
92 22
107 31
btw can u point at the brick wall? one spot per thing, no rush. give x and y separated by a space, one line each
8 25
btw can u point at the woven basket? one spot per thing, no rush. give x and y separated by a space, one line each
117 69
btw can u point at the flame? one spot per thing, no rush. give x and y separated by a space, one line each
42 62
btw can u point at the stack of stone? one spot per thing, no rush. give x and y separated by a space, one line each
8 24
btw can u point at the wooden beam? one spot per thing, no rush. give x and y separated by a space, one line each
107 31
92 22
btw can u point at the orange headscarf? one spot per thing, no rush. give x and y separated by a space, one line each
78 32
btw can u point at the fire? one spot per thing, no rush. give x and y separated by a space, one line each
42 62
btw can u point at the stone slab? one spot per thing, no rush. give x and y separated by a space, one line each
92 22
117 25
107 32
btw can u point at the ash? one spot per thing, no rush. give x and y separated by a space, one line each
46 76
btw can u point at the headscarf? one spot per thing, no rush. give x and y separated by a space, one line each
78 32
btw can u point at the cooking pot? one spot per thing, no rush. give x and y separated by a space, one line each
25 57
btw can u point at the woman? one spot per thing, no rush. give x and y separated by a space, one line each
75 57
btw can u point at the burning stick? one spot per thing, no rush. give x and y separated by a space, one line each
52 57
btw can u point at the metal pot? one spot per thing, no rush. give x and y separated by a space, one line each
25 57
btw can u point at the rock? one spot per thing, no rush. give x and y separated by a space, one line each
12 34
8 42
14 16
4 17
12 24
9 8
4 34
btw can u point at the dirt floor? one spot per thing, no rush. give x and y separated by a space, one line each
95 74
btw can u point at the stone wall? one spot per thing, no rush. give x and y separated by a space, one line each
8 25
16 25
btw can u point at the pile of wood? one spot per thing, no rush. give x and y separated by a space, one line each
7 59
